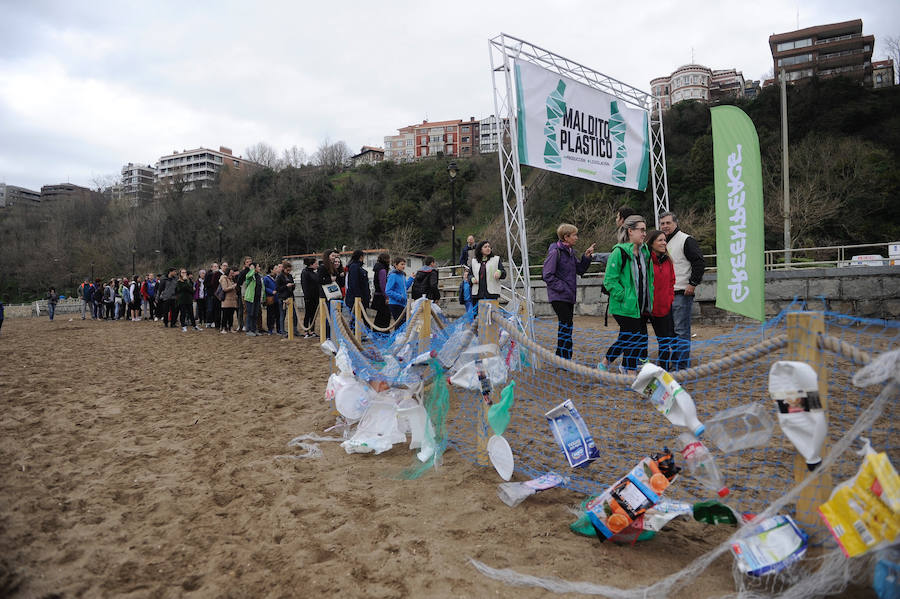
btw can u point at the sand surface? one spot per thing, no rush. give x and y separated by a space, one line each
139 461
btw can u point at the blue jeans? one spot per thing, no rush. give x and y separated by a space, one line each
251 311
51 309
681 314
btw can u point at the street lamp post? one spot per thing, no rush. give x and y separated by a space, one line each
133 271
220 227
92 272
452 171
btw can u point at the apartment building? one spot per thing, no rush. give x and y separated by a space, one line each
13 195
63 190
697 82
469 137
883 73
401 147
137 183
833 50
198 168
491 128
368 155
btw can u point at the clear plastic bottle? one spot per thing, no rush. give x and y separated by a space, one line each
700 464
457 342
741 427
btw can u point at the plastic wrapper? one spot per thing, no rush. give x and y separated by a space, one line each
862 512
467 375
629 498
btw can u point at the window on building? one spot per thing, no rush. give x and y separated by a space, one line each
791 60
465 128
465 139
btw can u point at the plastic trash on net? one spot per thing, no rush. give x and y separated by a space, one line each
668 397
740 427
863 513
571 432
454 346
352 399
377 430
795 388
512 494
629 498
467 375
328 348
501 456
769 546
700 464
336 382
342 360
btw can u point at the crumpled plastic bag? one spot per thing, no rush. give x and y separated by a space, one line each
353 398
467 374
377 431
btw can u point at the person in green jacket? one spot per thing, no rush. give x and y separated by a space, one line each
184 300
629 281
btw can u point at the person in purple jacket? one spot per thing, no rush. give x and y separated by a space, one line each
561 269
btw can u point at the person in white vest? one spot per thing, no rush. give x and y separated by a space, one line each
689 266
486 271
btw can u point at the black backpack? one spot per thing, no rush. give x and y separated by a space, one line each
420 284
605 291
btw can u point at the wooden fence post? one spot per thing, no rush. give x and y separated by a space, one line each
323 319
357 318
289 321
488 332
803 330
425 328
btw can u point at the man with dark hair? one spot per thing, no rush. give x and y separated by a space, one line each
689 266
426 281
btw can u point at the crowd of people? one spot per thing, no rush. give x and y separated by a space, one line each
650 277
253 298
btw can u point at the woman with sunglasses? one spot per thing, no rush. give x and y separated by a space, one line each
629 281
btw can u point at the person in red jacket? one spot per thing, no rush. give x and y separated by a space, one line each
663 294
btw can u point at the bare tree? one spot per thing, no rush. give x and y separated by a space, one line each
331 156
892 48
295 157
264 154
404 240
824 172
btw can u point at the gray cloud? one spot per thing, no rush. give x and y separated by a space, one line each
91 86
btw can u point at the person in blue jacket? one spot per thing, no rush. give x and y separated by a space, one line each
397 286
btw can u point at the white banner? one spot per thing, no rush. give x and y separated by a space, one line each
570 128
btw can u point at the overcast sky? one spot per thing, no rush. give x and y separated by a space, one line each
87 86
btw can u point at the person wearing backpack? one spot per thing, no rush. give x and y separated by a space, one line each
561 270
425 281
629 281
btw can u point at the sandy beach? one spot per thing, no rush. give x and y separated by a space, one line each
140 461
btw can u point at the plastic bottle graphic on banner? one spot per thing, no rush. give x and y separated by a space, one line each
572 128
556 108
617 129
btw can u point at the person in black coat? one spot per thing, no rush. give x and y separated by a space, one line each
309 285
379 298
284 289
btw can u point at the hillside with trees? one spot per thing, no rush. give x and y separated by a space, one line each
844 151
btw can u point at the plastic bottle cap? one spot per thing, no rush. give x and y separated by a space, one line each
724 491
700 430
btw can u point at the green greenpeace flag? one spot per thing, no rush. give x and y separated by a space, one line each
740 279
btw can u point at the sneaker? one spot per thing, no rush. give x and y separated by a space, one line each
251 334
184 329
196 328
223 331
155 318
